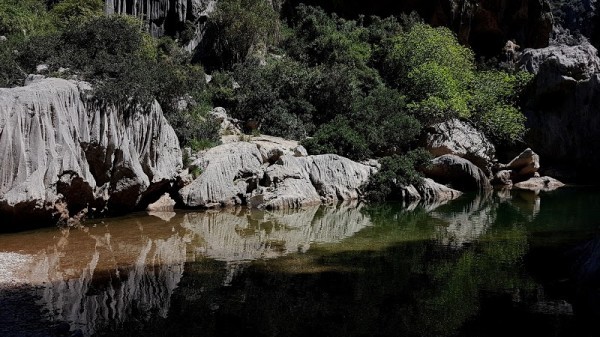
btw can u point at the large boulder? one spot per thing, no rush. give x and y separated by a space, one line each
459 173
463 140
563 109
59 147
228 173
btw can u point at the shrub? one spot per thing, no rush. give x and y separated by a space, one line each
396 172
24 18
494 104
236 27
340 138
72 12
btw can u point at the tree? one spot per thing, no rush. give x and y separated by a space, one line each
237 26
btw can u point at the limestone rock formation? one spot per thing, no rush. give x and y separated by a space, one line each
525 164
163 204
272 173
167 17
459 173
57 146
563 109
461 139
537 184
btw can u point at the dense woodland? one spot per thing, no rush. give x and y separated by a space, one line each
362 88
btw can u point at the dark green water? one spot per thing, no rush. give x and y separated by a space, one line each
505 264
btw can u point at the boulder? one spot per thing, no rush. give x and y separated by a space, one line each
228 124
229 173
432 192
463 140
163 204
286 184
272 148
338 178
563 109
538 184
525 165
59 146
459 173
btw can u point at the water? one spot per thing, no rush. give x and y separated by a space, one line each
504 264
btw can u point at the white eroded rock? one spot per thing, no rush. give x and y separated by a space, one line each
56 146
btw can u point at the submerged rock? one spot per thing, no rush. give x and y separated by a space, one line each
537 184
57 146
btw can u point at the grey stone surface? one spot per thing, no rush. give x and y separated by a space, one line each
57 146
459 173
461 139
563 110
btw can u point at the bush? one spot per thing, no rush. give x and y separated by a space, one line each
236 27
24 18
494 101
195 129
72 12
275 97
340 138
396 171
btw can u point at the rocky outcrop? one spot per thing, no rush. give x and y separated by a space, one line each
463 140
167 17
59 147
265 175
459 173
563 109
163 204
272 173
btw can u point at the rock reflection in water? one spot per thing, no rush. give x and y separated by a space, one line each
468 219
111 272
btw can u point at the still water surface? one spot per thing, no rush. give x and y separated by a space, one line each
503 264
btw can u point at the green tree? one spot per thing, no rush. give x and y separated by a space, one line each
494 104
237 26
69 12
24 17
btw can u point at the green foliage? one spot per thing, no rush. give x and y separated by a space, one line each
24 17
237 26
275 97
322 39
195 129
69 12
10 71
396 172
338 136
433 69
494 101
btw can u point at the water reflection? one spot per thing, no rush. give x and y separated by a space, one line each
343 271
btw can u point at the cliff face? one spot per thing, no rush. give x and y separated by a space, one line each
166 17
486 25
562 109
59 149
